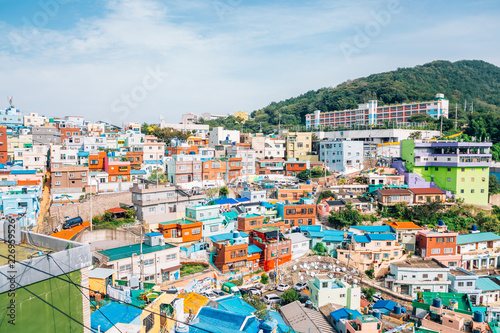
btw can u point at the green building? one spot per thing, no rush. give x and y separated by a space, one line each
50 292
459 168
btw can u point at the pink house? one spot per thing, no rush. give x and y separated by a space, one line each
365 324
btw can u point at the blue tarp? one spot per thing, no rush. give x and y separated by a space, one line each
112 314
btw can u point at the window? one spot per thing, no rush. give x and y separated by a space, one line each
448 179
436 169
435 251
472 191
149 322
462 179
440 240
324 284
472 179
214 228
378 244
376 256
389 243
460 284
71 175
448 250
396 253
149 262
125 268
482 190
449 239
426 168
449 169
386 255
195 231
463 169
171 256
58 183
425 276
452 263
462 191
58 174
469 284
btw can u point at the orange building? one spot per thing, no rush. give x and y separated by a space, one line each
432 244
214 170
234 167
182 150
249 222
303 191
98 162
3 145
233 253
118 171
292 168
187 230
66 132
135 158
276 249
297 214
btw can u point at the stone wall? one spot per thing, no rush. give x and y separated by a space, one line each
99 205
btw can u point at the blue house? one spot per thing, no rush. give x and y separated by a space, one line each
22 202
384 306
370 229
340 314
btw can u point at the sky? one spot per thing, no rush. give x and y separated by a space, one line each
142 60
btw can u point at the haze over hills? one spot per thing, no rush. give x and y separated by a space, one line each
466 80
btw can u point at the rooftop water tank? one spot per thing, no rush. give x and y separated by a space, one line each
453 304
474 227
478 317
397 309
436 302
181 328
268 325
440 223
376 314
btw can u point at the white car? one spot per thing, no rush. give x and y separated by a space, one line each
300 286
282 287
272 299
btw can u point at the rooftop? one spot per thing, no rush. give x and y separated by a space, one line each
487 284
23 252
431 190
373 228
127 251
403 225
113 313
420 263
477 237
394 191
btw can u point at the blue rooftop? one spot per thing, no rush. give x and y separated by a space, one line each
224 321
253 249
228 201
282 326
384 304
304 228
236 305
367 238
83 153
267 204
226 236
22 172
373 228
152 234
138 172
344 314
477 237
486 284
116 313
361 239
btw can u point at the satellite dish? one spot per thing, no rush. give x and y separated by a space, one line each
343 269
301 278
319 258
294 267
337 262
355 281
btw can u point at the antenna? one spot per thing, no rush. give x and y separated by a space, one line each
456 115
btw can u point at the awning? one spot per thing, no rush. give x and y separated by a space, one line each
170 269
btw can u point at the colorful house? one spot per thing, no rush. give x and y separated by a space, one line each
183 230
276 248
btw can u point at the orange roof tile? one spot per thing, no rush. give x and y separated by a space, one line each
403 225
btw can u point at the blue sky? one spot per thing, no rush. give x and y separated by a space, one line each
137 60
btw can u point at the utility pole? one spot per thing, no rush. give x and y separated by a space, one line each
141 264
456 115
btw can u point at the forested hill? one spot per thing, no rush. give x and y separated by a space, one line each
472 80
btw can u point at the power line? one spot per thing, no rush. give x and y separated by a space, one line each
56 308
112 298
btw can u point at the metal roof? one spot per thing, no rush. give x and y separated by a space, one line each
477 237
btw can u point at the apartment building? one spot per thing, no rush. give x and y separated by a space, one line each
118 171
298 145
159 259
234 253
154 153
297 214
276 248
372 114
66 132
248 222
63 155
218 135
406 232
300 191
182 230
342 156
479 250
69 176
324 289
156 204
247 156
214 223
35 158
34 119
45 135
393 196
416 274
273 166
372 251
459 168
184 169
294 167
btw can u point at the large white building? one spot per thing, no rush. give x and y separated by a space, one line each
418 274
342 156
197 129
33 119
218 135
247 159
372 114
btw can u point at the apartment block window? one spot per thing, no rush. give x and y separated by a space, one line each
469 284
449 169
378 244
389 243
426 168
324 285
472 191
448 250
171 256
448 179
472 169
482 190
463 169
58 174
462 191
58 183
125 268
460 284
396 253
472 179
195 231
214 228
425 276
440 240
462 180
386 255
71 175
149 262
435 251
436 169
376 256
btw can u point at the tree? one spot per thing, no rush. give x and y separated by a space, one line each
417 135
494 186
369 293
223 191
327 194
261 307
421 118
346 217
157 175
304 175
320 247
289 296
264 278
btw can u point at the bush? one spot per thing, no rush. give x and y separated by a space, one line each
261 307
237 282
369 293
370 273
289 296
264 279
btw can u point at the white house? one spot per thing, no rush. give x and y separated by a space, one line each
33 119
418 274
342 156
218 134
160 260
300 244
324 290
254 195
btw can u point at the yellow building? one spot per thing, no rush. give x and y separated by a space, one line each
151 314
100 278
298 145
242 114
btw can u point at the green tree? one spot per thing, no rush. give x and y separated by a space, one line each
108 216
261 307
289 296
304 175
369 293
346 217
264 278
320 247
417 135
223 191
494 185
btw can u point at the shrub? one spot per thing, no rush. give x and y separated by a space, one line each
264 279
370 273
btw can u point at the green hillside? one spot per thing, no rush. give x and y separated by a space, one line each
471 80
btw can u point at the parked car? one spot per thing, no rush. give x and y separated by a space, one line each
208 295
255 291
282 287
300 286
218 293
272 299
68 224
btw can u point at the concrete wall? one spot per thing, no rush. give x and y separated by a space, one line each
107 234
99 204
